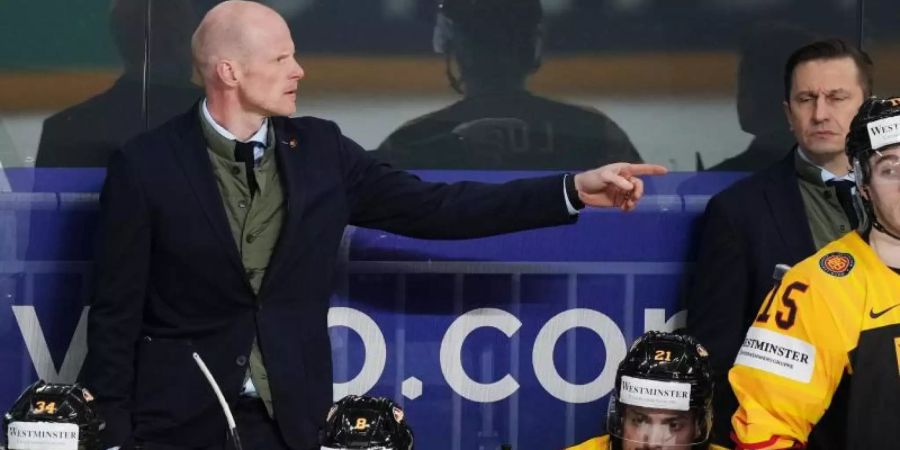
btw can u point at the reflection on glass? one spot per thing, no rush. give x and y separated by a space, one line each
764 50
84 135
491 48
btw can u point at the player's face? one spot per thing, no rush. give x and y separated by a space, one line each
657 429
884 188
270 72
825 95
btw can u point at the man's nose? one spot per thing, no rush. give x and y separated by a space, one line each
821 109
657 437
298 73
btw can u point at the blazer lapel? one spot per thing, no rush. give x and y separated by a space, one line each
190 151
788 211
291 155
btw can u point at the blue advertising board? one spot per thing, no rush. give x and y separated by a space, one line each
512 339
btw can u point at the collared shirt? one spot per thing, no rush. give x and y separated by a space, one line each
825 215
261 137
825 173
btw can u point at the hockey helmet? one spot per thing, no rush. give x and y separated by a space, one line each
663 393
874 128
49 415
363 422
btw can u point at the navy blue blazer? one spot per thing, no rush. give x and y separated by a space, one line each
170 280
748 228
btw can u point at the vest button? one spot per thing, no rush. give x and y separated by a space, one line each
242 204
241 361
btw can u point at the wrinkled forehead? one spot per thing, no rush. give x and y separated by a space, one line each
824 76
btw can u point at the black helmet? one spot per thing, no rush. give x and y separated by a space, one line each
875 126
53 414
664 371
492 17
363 422
860 139
495 38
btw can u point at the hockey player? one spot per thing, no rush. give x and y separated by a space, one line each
363 422
53 416
491 47
662 398
835 317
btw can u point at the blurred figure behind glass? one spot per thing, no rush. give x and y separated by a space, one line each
491 47
764 51
86 134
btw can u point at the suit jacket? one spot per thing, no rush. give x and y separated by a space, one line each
170 280
758 222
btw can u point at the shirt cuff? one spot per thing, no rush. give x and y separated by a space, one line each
570 194
249 389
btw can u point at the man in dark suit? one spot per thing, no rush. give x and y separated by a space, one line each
219 234
781 214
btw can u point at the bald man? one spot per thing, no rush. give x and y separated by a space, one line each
219 232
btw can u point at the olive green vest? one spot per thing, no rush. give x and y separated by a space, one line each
255 222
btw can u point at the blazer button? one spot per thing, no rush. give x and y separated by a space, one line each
241 361
236 170
251 238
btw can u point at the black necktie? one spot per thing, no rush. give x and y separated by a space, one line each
243 152
844 190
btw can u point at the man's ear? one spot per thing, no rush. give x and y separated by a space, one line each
787 113
227 72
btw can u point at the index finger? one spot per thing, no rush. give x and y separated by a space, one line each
646 169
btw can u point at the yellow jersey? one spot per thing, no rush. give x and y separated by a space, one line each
602 443
835 314
597 443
